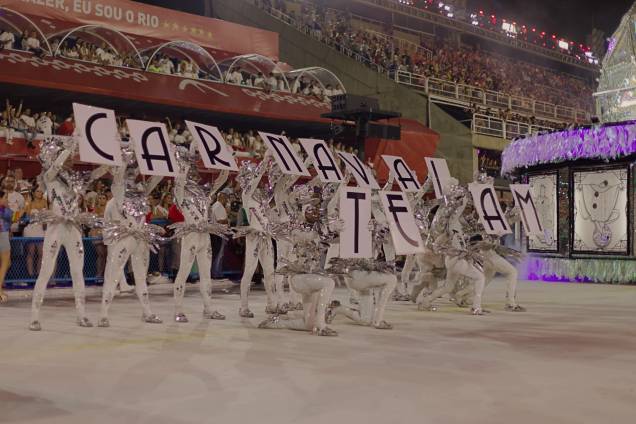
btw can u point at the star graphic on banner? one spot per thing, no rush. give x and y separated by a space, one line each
209 34
193 31
201 31
166 24
185 28
175 26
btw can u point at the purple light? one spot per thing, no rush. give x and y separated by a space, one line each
606 143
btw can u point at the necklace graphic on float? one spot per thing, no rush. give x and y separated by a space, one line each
599 199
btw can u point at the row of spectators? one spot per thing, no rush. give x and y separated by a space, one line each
17 121
78 49
464 65
27 41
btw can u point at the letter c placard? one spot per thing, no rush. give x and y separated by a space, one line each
97 131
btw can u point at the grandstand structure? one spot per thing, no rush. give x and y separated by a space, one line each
472 117
171 67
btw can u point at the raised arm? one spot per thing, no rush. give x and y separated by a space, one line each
219 182
152 183
260 172
389 182
51 173
118 187
428 184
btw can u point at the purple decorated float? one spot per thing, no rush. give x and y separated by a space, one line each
582 181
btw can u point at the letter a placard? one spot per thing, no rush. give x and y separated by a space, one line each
404 231
152 148
355 210
323 160
406 178
97 132
488 208
286 158
529 217
212 147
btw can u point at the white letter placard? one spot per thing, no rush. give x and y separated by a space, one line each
212 147
286 157
403 174
355 210
529 214
323 160
97 132
363 175
488 208
152 148
404 230
439 173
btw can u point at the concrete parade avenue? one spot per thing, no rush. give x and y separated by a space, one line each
570 359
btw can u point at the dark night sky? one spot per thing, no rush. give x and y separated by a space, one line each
572 19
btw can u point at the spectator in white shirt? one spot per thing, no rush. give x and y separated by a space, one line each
219 215
45 124
7 39
235 77
281 84
15 200
33 44
259 81
272 82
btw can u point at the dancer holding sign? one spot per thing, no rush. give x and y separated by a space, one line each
64 187
128 236
194 203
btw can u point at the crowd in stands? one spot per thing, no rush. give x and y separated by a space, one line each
26 41
25 195
466 64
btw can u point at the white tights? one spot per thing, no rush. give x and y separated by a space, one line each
316 293
375 290
58 235
118 255
194 246
258 250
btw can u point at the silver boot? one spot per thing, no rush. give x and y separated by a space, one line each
84 322
103 322
213 315
35 326
180 317
151 319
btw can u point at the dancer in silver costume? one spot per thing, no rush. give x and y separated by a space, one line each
460 258
194 203
258 240
373 279
129 236
64 220
310 239
497 258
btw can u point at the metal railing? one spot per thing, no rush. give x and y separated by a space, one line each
497 127
467 94
26 255
448 89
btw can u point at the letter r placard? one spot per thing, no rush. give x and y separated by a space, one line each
212 148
